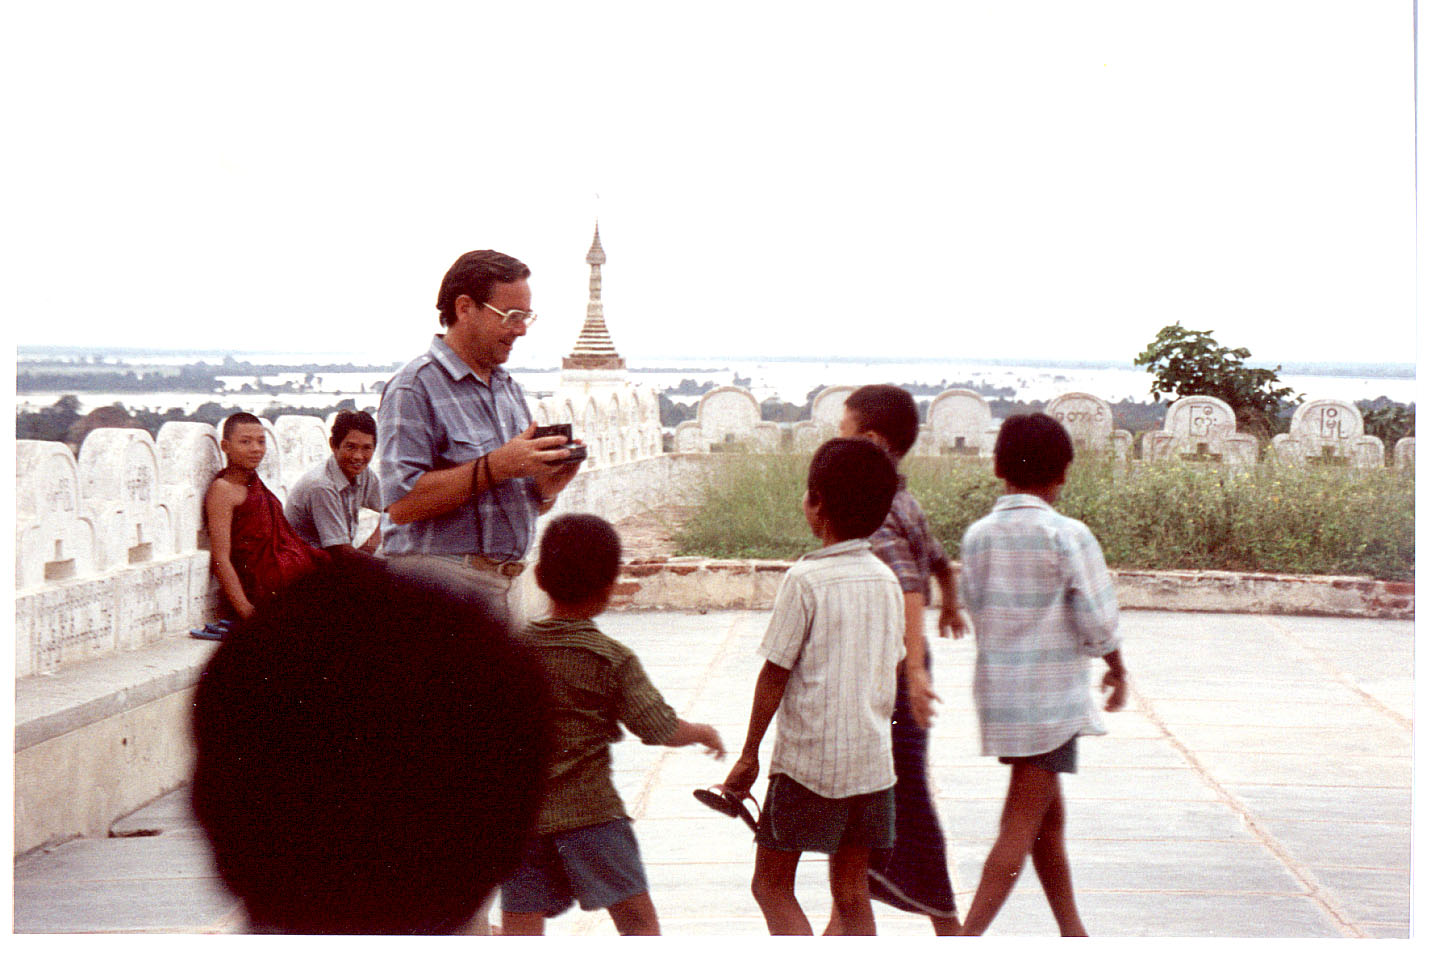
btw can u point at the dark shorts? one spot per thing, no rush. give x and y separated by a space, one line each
795 818
1063 759
596 866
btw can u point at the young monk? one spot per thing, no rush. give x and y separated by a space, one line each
254 551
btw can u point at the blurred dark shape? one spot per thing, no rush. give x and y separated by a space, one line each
369 753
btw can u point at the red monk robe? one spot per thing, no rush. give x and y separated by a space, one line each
267 553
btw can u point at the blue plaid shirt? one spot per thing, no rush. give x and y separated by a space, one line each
435 413
1043 605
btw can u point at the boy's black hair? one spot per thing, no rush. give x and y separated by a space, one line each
475 275
369 753
236 420
1032 450
852 481
347 420
888 410
579 558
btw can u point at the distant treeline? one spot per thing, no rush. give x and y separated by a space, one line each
62 422
199 377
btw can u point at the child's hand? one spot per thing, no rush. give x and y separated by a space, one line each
951 624
709 737
742 776
1114 681
687 733
922 696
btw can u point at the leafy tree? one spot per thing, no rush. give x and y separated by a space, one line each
1190 363
1388 420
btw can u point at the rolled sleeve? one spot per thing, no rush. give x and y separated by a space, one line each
789 624
327 513
407 448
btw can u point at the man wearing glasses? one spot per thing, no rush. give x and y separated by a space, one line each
461 473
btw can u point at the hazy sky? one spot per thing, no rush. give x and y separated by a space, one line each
900 179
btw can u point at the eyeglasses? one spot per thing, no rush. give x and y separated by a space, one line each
524 319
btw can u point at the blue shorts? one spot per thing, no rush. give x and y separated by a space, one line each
596 866
796 818
1063 759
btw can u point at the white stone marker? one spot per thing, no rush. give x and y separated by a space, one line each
959 422
1328 432
727 415
1200 429
1090 423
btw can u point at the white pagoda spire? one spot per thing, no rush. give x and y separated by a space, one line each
594 350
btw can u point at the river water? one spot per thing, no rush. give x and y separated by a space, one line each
787 380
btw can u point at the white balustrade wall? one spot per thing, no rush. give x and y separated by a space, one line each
111 551
110 546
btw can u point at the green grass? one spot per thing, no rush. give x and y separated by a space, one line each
1155 516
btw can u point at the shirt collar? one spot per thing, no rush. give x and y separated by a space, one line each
858 545
336 475
457 368
1015 501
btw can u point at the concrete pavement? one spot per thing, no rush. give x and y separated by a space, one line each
1258 785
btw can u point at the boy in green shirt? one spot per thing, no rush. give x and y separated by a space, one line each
583 849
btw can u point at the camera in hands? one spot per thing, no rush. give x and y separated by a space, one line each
573 451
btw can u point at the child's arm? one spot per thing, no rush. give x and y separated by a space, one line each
951 623
687 733
917 677
220 502
1091 596
769 689
1115 680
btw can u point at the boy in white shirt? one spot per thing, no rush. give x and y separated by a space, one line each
832 649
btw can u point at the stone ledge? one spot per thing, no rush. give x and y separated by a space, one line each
76 696
697 583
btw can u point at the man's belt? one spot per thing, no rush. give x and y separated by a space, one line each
506 568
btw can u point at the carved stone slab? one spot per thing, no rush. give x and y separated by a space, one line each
959 422
828 408
727 415
1090 423
1200 429
119 473
54 536
1329 432
303 443
189 460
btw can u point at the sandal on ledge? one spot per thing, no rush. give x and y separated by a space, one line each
727 803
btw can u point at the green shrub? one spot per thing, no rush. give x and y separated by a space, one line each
1156 516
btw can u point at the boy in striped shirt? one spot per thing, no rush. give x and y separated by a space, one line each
582 848
1040 596
831 652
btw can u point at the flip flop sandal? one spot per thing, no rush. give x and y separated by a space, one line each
207 635
727 803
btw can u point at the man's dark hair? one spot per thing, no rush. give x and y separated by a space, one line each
1032 450
369 754
235 421
475 275
853 482
888 410
579 558
347 420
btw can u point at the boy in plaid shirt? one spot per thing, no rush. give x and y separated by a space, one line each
913 877
1040 596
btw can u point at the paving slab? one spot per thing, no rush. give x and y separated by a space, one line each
1259 786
